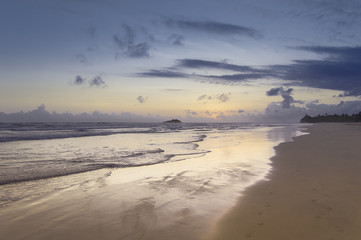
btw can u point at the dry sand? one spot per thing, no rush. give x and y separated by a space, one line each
314 191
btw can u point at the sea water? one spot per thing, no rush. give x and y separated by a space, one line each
144 177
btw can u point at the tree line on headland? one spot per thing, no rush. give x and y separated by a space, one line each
332 118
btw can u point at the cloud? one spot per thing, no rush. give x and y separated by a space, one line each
40 114
142 99
198 63
97 82
174 89
247 72
236 78
275 112
163 74
334 75
224 97
339 70
213 27
138 50
176 39
79 80
285 94
338 53
190 113
347 107
274 91
128 46
81 58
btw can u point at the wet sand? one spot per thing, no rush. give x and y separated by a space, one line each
314 191
179 200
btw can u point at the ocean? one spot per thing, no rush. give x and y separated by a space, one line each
189 171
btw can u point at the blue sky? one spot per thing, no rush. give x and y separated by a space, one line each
213 60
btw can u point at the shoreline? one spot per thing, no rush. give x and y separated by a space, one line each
312 191
176 200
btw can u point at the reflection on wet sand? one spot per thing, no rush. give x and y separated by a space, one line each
173 200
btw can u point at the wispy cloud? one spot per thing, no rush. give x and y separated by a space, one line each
174 89
198 63
243 73
213 27
126 43
97 82
176 39
142 99
94 82
224 97
163 74
190 113
81 58
79 80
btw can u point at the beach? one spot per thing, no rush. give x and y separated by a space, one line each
111 181
313 192
238 183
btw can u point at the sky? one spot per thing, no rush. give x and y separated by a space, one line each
196 60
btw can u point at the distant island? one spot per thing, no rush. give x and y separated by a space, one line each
173 121
332 118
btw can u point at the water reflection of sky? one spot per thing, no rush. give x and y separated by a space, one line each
177 198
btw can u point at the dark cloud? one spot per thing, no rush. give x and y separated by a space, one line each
224 97
213 27
287 98
163 74
285 94
350 93
274 91
97 82
237 77
197 63
324 74
176 39
79 80
142 99
339 53
248 73
128 46
339 70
